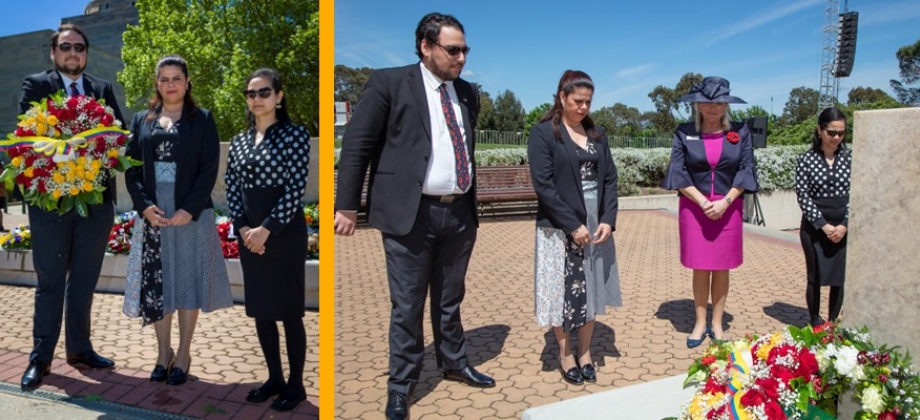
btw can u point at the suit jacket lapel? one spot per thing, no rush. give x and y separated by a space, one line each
568 146
57 84
88 87
463 97
417 86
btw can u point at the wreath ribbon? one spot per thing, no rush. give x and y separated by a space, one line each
51 146
739 370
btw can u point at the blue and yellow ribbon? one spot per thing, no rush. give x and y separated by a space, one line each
52 146
739 370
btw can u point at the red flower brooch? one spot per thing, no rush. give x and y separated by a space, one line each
732 137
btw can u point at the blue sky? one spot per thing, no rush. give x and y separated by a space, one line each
35 15
628 47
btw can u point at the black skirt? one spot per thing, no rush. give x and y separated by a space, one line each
273 283
825 261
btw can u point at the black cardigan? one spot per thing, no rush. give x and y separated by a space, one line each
198 157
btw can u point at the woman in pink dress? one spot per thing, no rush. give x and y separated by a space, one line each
712 164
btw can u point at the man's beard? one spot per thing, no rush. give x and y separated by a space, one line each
71 69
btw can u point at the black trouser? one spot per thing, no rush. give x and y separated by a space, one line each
296 339
67 251
434 254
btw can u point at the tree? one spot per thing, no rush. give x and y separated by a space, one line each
618 120
349 83
802 104
909 65
535 115
666 104
866 95
224 41
509 113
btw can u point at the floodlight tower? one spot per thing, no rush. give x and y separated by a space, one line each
827 94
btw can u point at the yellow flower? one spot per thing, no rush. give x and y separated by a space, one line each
74 191
28 172
40 129
81 160
56 194
70 176
52 120
91 175
112 153
95 165
17 161
57 177
87 186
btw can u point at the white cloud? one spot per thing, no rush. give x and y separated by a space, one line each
761 18
889 13
629 73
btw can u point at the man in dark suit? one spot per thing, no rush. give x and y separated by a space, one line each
413 126
69 242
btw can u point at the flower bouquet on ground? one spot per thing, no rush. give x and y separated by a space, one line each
228 244
19 238
311 214
120 237
801 374
63 150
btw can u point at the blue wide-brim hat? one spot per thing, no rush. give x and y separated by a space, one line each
711 89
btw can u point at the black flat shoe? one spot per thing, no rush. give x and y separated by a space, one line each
177 376
32 378
160 373
588 373
572 376
469 376
283 403
397 406
89 359
263 393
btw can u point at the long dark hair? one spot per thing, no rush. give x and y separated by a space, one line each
571 80
826 117
280 113
156 102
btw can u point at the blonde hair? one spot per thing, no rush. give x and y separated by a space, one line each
726 118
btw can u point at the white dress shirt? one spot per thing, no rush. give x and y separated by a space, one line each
441 178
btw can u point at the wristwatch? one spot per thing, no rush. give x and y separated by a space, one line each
728 199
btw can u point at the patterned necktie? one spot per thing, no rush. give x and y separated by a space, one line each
460 158
73 89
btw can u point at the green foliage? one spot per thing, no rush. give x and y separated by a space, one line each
349 83
801 105
665 100
865 95
486 111
224 41
620 120
908 88
509 113
535 115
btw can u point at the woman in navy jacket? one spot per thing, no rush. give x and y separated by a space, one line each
575 179
712 164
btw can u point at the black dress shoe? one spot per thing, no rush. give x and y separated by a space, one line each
177 376
34 374
160 372
572 376
89 359
263 393
469 376
588 373
284 403
397 406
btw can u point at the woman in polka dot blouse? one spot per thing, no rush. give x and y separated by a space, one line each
266 175
822 186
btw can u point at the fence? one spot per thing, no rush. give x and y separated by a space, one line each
514 138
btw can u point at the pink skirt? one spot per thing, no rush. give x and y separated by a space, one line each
710 244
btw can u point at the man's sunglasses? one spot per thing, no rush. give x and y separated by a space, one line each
835 133
66 46
453 50
263 93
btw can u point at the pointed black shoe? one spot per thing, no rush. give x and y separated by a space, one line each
263 393
397 406
32 378
284 403
572 376
177 376
160 373
89 359
469 376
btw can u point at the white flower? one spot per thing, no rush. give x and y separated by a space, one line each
846 360
824 361
872 400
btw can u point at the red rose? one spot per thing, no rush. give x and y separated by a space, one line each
112 163
713 387
21 132
732 137
769 386
780 351
107 120
753 398
41 187
774 411
708 360
72 103
888 415
808 365
818 384
782 373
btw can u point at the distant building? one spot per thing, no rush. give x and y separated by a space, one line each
342 115
104 22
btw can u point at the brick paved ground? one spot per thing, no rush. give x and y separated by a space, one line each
226 359
641 341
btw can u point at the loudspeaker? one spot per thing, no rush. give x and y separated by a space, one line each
846 44
758 126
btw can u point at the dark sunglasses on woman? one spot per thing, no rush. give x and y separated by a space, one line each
263 93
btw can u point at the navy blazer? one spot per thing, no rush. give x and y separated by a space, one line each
197 159
556 175
689 166
390 131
